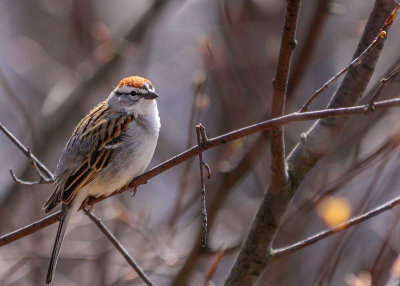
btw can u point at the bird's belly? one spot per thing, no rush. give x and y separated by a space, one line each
128 162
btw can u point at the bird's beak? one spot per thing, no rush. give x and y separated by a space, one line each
151 95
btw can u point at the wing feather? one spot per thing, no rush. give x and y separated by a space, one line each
103 130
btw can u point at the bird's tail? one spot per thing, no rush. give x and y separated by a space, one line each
62 227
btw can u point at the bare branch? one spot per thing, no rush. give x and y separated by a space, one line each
119 246
27 183
26 151
281 251
43 179
279 177
29 229
201 139
382 83
355 62
317 141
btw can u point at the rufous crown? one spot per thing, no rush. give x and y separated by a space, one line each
134 81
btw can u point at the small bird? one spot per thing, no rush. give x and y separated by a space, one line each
110 146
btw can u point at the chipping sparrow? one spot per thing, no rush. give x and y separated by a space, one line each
111 145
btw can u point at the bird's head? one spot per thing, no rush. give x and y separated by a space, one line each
133 94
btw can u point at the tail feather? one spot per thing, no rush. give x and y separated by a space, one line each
62 227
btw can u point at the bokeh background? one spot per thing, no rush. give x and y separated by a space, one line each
211 61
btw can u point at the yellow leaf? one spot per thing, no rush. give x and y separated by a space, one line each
334 210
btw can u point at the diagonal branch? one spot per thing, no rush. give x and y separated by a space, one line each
282 251
119 246
26 151
30 228
317 141
356 61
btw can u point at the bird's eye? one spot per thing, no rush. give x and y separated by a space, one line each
133 93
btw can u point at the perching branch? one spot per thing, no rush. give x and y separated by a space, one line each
211 143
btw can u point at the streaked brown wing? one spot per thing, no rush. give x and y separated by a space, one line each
53 200
102 132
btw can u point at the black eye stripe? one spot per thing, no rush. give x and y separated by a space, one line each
132 93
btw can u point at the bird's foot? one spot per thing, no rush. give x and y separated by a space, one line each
87 205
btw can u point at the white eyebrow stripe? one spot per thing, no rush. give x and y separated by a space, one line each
129 89
148 87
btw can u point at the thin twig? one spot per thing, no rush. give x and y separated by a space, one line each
43 179
380 153
200 141
212 268
281 251
384 81
222 139
26 151
308 46
26 183
389 236
119 246
355 62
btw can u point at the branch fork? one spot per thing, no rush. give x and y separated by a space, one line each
43 178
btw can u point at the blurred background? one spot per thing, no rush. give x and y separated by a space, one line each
211 62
